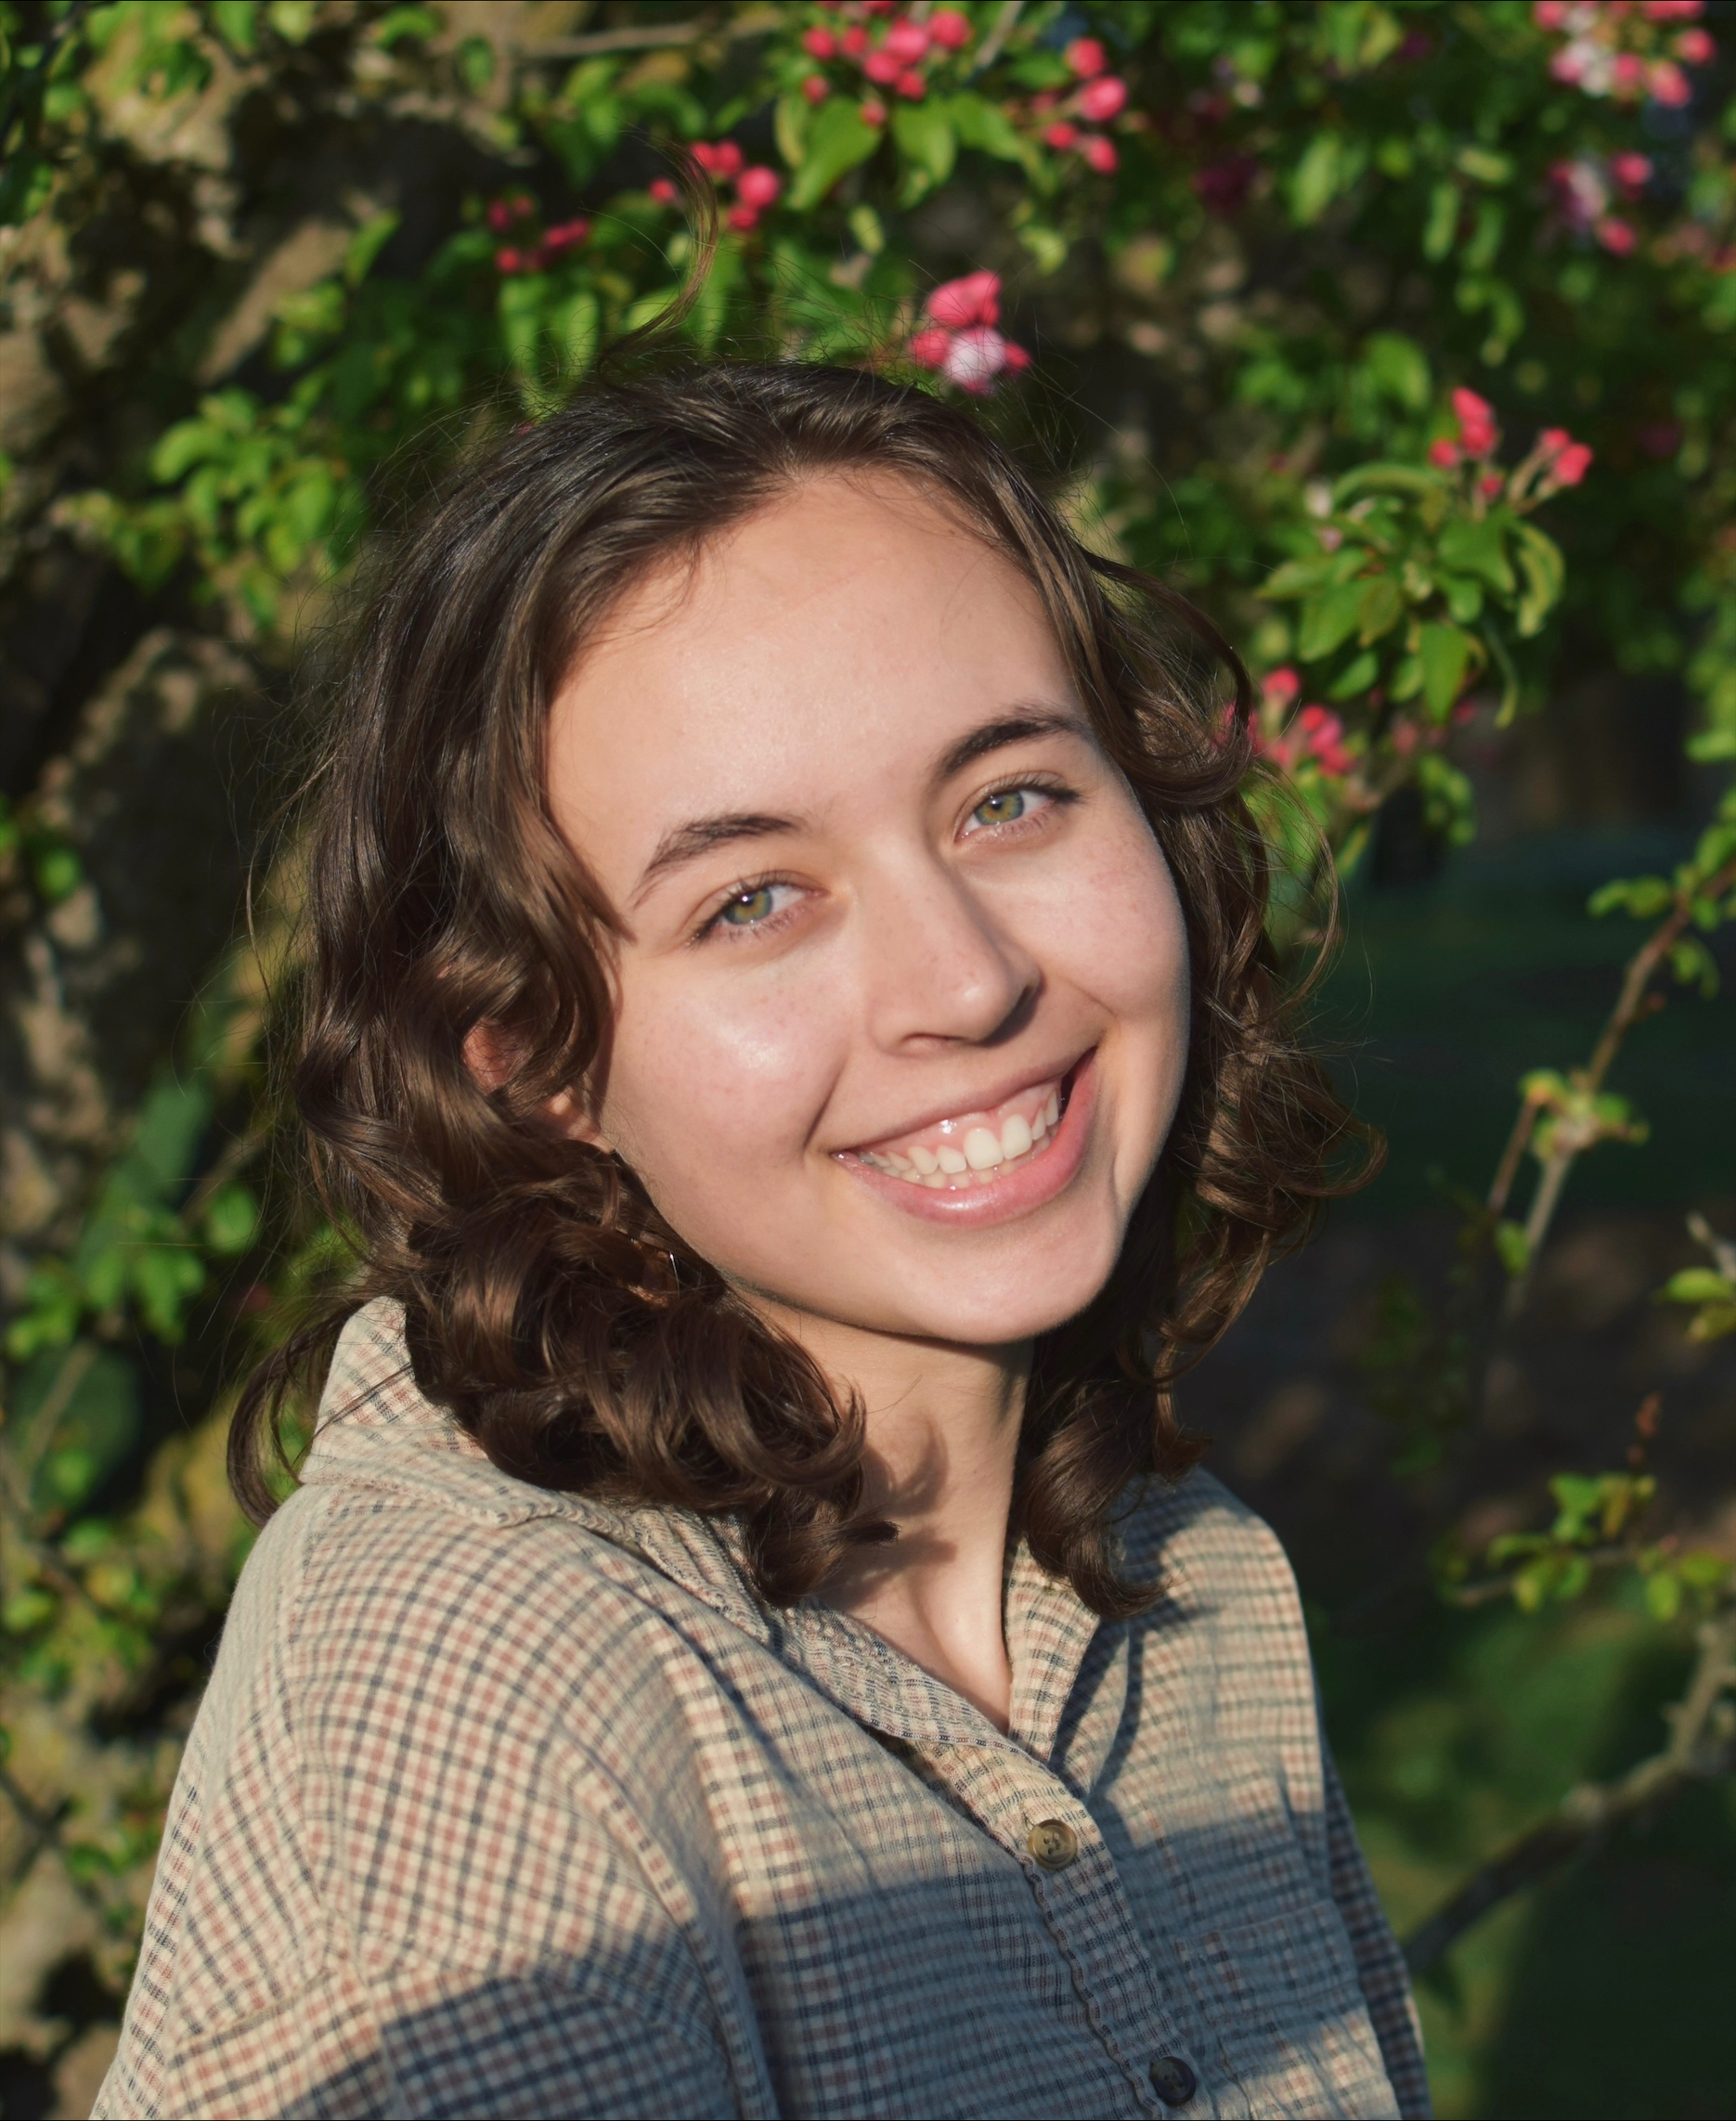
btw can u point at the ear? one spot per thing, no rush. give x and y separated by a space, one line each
492 1055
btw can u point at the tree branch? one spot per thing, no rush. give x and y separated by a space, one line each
1701 1748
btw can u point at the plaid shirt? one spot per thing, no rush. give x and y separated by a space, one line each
500 1802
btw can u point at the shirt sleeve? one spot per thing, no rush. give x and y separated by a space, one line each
1379 1963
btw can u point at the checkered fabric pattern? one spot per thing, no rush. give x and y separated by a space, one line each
503 1802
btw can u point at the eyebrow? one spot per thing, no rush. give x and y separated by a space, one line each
687 842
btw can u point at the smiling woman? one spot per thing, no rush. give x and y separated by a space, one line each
789 1021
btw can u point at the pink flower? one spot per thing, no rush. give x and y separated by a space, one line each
1086 56
1016 356
854 41
1669 84
1324 734
1554 440
929 347
758 186
1694 48
1672 11
1628 73
1632 172
509 262
720 158
1444 454
1104 98
975 358
1573 464
662 192
1549 14
1477 431
819 44
566 234
911 86
742 217
1279 687
959 304
1100 154
1615 236
882 69
1061 135
872 111
907 41
816 89
950 29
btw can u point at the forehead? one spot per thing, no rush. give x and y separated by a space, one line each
851 625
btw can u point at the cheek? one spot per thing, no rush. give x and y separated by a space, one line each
715 1084
1115 932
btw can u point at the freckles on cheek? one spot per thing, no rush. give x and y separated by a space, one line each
703 1078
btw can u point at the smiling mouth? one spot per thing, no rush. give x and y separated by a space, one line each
974 1148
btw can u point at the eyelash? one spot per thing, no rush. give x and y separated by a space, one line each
1058 792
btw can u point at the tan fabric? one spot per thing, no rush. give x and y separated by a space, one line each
500 1803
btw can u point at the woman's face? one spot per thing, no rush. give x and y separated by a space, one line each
902 997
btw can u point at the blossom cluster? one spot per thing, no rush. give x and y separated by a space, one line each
530 252
1555 459
756 187
1315 735
958 336
1067 115
885 47
1626 48
1583 191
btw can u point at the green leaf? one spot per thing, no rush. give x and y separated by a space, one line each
366 245
1512 1248
923 134
1544 570
236 23
840 139
1399 368
791 121
1357 678
1478 548
1388 478
1484 165
1381 607
398 23
1318 178
1664 1595
1446 656
1698 1285
1442 222
986 126
231 1218
1329 620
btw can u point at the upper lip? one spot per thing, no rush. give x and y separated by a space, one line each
983 1100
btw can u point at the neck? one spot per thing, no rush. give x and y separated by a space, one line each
942 1439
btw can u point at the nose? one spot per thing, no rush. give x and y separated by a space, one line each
942 969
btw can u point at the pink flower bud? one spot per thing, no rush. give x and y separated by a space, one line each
662 192
1016 358
929 348
1554 440
1694 48
1573 464
1086 56
975 358
819 43
816 89
1549 14
911 86
1632 172
907 41
500 217
1477 431
1669 84
872 111
959 304
950 29
742 217
509 262
1628 73
759 185
1061 135
1617 236
721 157
1444 454
1279 687
1490 485
854 41
1100 154
1104 98
882 69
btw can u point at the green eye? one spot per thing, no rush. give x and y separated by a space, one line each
1001 808
748 907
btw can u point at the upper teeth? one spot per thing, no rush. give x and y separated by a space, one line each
981 1153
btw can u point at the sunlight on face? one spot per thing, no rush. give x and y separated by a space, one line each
903 1001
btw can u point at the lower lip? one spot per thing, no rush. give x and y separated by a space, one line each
1003 1199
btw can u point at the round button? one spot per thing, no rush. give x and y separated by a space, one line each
1172 2081
1053 1843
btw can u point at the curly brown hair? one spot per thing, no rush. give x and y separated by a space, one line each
549 1306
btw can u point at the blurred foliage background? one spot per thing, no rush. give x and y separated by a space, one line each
1403 336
